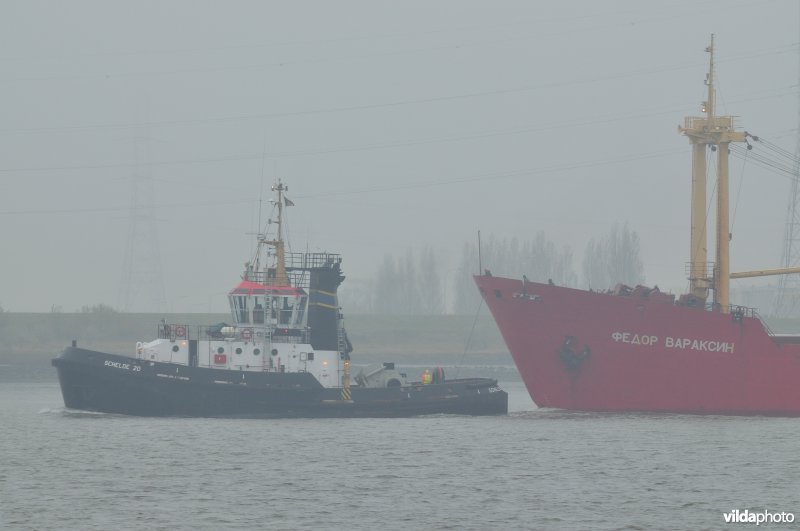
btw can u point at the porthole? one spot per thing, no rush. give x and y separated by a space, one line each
175 348
256 351
274 352
220 350
238 350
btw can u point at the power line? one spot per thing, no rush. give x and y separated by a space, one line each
365 147
427 183
127 164
121 207
397 103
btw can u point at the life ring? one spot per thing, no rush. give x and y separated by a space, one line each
180 331
247 334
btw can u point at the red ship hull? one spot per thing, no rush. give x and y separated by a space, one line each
591 351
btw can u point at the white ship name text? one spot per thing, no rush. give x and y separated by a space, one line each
683 343
698 344
125 366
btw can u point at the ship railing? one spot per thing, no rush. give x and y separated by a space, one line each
764 324
706 124
736 312
178 331
742 311
173 331
297 278
222 331
311 260
304 337
699 270
298 266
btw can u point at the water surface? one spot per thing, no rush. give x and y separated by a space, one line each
532 469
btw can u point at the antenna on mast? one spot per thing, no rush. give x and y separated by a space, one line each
708 105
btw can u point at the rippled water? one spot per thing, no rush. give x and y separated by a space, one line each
528 470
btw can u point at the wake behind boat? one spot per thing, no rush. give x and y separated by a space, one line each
639 349
286 354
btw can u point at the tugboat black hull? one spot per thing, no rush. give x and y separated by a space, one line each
97 381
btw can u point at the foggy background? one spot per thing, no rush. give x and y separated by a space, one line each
397 126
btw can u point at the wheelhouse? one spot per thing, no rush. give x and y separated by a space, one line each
255 304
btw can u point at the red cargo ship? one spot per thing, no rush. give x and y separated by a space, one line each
640 349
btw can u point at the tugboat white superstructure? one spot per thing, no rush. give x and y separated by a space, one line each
273 311
285 354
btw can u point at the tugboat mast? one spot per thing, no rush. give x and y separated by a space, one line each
281 279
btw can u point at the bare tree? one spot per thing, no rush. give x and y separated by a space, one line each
538 259
408 287
614 259
357 297
403 287
466 297
430 287
386 295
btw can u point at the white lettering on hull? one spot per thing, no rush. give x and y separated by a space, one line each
123 366
634 339
704 345
682 343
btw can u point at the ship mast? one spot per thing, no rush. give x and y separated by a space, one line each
717 132
281 279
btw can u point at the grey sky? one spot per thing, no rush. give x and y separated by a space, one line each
394 124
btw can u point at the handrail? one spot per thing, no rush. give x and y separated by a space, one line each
178 331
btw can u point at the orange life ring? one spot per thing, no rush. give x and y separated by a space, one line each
180 331
247 334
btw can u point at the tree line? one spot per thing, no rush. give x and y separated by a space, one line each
404 285
413 284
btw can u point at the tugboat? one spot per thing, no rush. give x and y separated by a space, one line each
285 354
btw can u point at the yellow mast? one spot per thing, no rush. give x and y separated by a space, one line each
717 132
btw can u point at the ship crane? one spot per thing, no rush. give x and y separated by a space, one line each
718 132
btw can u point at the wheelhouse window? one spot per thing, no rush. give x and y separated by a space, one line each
286 311
273 308
240 309
282 310
300 308
258 311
